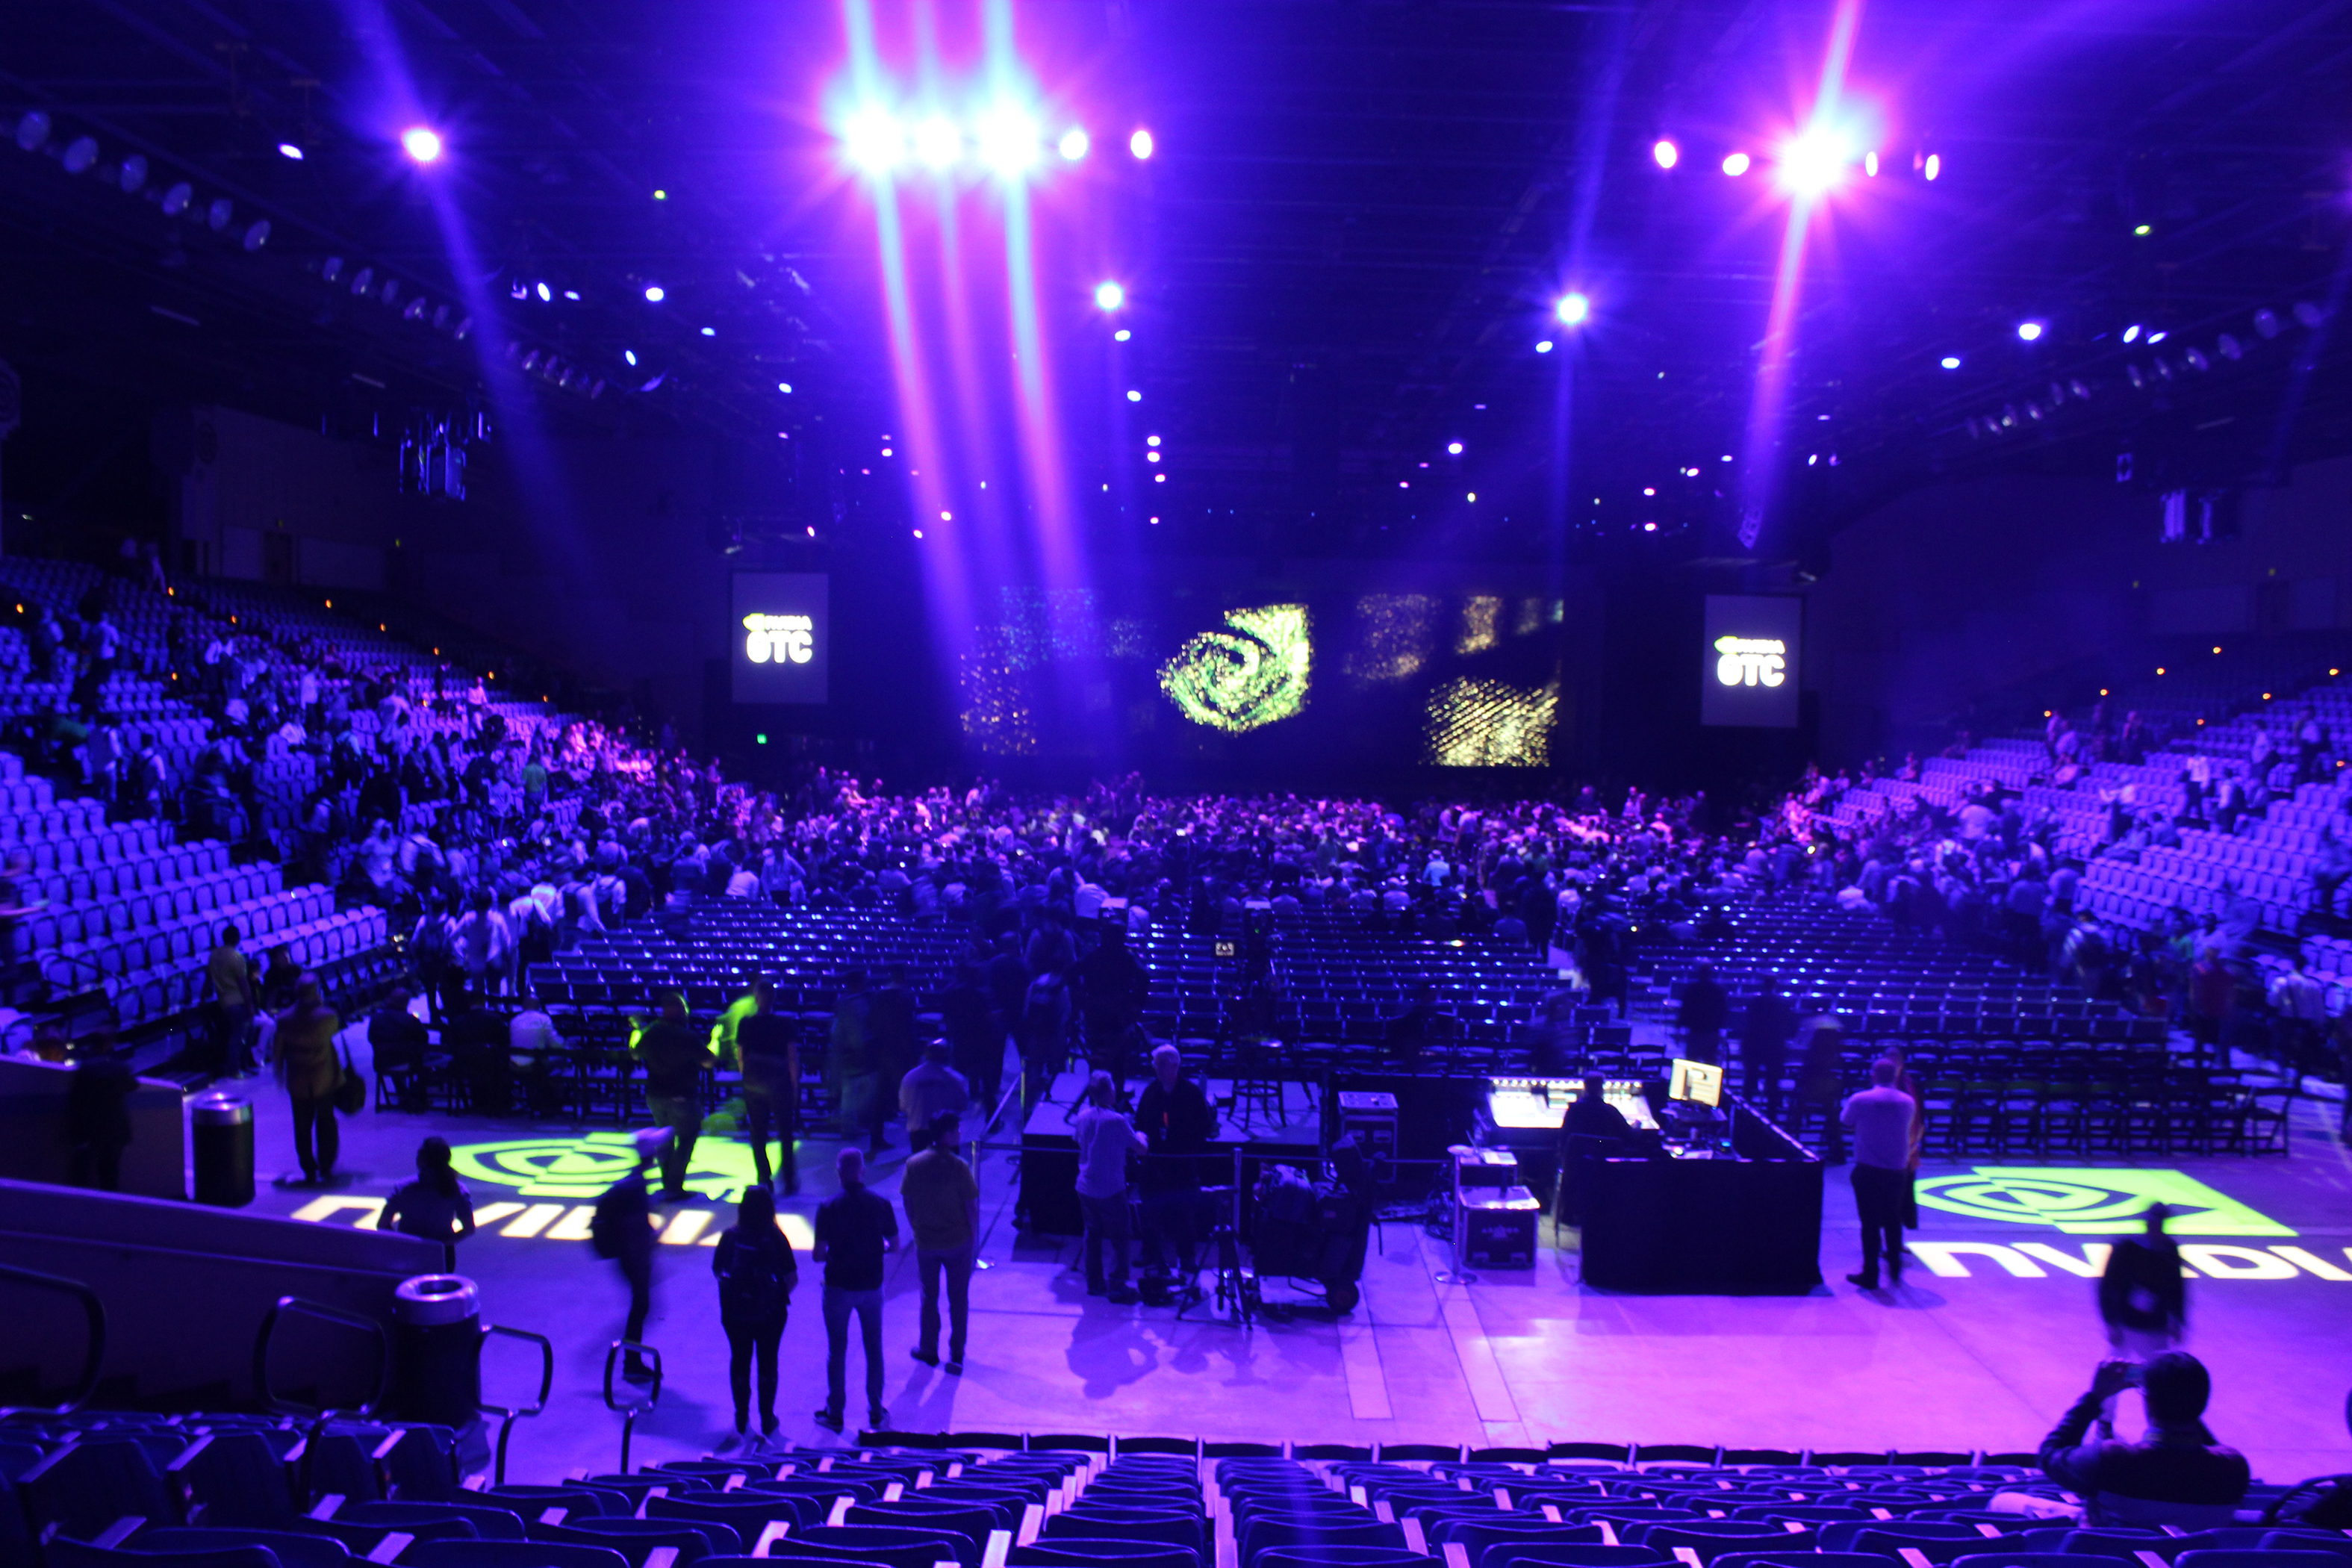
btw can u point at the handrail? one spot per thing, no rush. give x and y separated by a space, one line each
297 1305
510 1414
93 1312
630 1412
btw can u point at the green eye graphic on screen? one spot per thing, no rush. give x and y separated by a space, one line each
1246 677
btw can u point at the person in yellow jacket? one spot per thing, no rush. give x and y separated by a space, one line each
304 1054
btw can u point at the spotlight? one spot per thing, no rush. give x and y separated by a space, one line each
629 356
1008 141
573 295
1075 144
1813 163
1665 153
2143 230
80 154
1122 335
2155 338
1453 448
1934 166
287 149
1737 164
711 331
2031 332
543 291
1151 440
938 142
1649 490
257 233
1133 395
1141 145
1950 361
1870 164
422 142
176 199
661 196
654 294
33 130
1544 347
1573 309
2131 334
785 387
874 141
1109 295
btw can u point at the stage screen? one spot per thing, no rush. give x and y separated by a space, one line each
1748 674
1325 673
781 635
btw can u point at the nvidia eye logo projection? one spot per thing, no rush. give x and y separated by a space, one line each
2093 1200
1246 677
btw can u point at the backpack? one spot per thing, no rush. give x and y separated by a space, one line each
605 1226
756 1286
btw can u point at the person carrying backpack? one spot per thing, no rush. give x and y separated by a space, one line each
622 1230
756 1271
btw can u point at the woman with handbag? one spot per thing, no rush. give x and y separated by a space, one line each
314 1076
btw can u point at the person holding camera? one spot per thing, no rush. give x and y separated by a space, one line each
1106 1138
2177 1474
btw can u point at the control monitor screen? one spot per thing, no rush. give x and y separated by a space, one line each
781 634
1701 1083
1748 668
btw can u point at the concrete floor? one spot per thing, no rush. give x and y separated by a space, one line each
1974 1357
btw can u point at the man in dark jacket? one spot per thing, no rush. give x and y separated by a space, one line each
622 1231
1706 1008
2176 1475
769 1043
2142 1298
1173 1115
1764 1044
675 1056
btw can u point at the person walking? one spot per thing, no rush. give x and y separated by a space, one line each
931 1089
855 1230
1764 1034
756 1272
234 989
304 1054
2143 1296
436 1206
1706 1008
675 1056
1880 1119
1106 1138
768 1042
941 1196
622 1229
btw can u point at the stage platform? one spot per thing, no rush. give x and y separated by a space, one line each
1991 1337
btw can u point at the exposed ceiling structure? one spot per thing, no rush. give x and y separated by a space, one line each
1352 235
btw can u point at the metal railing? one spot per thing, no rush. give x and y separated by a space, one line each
93 1313
629 1413
509 1414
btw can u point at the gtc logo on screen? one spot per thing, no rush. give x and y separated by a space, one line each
1751 661
784 639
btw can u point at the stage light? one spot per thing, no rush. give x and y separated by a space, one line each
1950 361
1649 528
947 517
2031 332
1141 145
2143 230
2131 334
919 534
1122 335
1453 448
874 141
1870 164
785 387
1813 163
176 199
1665 153
654 294
1075 144
938 142
2155 338
1109 295
1736 165
629 356
33 130
1151 440
1544 347
660 196
80 154
422 142
1573 309
711 331
1934 166
1159 479
287 149
256 235
1008 141
544 293
1151 457
573 295
1473 496
1133 395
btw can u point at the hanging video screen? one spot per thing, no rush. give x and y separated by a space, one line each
1748 667
781 633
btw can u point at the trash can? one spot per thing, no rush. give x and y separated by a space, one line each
221 1134
436 1350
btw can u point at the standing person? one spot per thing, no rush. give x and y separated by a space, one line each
623 1230
942 1202
855 1230
930 1090
768 1041
1706 1008
1764 1034
890 1042
234 989
2143 1298
849 1065
1106 1138
756 1271
484 943
304 1052
1177 1124
97 1117
436 1206
975 1040
1880 1119
1045 1025
675 1057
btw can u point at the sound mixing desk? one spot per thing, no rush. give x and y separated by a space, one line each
1538 1105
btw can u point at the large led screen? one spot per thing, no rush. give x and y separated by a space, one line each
781 636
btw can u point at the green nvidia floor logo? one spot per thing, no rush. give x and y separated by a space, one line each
2092 1200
